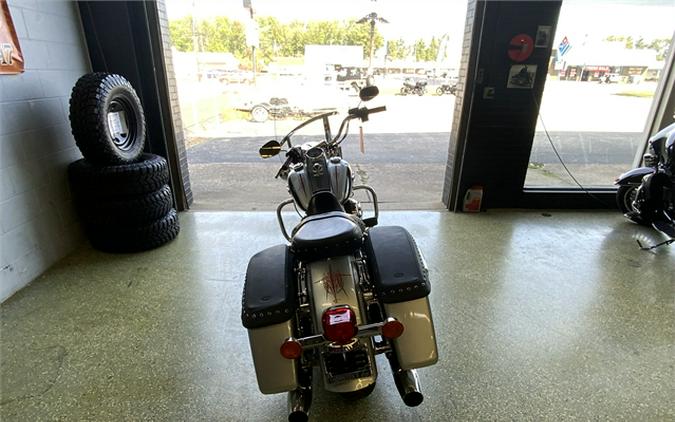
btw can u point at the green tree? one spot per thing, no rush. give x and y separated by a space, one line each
294 45
221 34
420 49
224 35
640 44
273 36
432 50
660 45
359 34
629 43
397 49
615 38
180 32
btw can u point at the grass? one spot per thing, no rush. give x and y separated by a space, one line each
207 109
639 94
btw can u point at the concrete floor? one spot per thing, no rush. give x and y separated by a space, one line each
538 318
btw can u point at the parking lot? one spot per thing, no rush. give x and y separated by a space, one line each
596 127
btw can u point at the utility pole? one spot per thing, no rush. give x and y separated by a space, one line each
195 39
372 18
252 37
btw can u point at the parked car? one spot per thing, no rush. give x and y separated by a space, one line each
610 78
281 108
236 76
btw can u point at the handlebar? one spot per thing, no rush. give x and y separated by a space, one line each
363 112
293 154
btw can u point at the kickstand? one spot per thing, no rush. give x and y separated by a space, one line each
648 248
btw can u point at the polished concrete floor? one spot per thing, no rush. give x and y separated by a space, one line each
540 316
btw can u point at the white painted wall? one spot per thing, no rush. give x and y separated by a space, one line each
38 225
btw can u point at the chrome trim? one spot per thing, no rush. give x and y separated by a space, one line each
407 383
281 220
372 192
299 401
364 331
408 386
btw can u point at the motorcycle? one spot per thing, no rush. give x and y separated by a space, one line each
447 89
646 195
342 290
412 87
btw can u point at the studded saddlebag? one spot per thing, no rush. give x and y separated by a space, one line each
269 303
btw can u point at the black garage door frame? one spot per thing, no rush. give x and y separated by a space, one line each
493 127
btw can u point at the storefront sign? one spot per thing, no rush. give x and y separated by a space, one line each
11 59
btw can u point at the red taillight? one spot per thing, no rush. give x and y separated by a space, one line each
291 348
392 329
339 324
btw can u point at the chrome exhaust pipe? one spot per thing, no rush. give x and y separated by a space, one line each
407 384
299 401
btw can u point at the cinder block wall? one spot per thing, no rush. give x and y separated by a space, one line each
37 222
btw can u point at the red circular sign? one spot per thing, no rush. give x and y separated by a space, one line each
520 47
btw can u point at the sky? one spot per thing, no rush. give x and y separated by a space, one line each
410 20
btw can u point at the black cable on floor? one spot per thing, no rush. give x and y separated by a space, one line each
555 150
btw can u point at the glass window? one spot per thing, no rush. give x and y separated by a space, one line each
606 61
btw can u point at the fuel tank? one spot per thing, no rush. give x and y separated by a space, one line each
320 173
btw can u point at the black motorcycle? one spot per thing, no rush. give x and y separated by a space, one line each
414 87
646 194
447 89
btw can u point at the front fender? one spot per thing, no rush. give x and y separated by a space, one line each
634 177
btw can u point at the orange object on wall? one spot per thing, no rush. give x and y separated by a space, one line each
11 59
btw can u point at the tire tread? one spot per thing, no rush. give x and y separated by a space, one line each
87 123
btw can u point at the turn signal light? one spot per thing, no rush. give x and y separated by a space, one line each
339 324
392 329
291 348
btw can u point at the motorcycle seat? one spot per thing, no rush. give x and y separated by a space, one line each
324 235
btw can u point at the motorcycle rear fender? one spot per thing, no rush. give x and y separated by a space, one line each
634 177
334 281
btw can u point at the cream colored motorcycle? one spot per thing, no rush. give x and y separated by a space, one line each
341 290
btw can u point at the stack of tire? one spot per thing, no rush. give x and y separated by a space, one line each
121 194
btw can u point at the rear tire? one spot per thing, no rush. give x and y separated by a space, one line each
625 196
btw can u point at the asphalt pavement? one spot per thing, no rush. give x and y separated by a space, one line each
406 169
596 129
432 148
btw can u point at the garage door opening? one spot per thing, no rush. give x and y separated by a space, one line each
247 73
